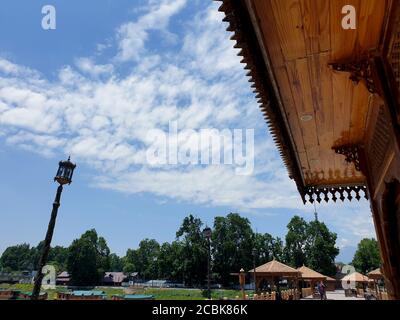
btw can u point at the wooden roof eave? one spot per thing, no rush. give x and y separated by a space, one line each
256 60
265 88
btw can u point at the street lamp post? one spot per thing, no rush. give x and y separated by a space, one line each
242 282
254 270
63 176
207 234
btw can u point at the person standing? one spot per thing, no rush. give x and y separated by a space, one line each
322 290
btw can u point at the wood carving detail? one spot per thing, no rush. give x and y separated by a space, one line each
351 152
320 193
394 53
380 142
360 70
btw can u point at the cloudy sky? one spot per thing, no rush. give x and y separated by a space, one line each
93 88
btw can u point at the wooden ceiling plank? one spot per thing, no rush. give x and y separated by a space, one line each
268 27
321 82
342 100
289 24
359 112
370 21
299 77
324 25
311 21
343 42
291 111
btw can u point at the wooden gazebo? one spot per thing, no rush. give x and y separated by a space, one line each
375 276
311 276
356 277
273 271
330 93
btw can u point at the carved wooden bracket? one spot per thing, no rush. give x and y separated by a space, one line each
360 70
352 154
318 194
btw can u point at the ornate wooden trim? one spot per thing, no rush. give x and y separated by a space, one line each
352 154
322 193
360 70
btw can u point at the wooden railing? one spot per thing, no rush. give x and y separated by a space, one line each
265 296
291 294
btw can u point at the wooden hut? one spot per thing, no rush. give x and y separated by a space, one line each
312 278
272 273
375 276
359 281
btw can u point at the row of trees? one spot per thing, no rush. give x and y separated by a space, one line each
185 259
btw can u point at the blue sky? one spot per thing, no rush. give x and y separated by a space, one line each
93 88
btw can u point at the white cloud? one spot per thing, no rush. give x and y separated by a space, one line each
132 36
353 220
87 66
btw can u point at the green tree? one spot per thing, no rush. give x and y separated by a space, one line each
101 248
296 239
130 261
267 248
320 248
232 242
82 264
170 266
58 256
116 263
367 256
144 259
194 251
18 258
88 259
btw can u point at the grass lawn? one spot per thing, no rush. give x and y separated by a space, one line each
158 293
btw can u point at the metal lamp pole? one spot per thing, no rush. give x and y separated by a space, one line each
254 270
63 176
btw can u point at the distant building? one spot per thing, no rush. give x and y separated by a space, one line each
63 279
114 279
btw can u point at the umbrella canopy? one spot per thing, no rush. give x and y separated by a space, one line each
356 277
376 274
276 268
309 274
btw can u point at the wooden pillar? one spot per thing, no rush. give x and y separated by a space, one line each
384 191
384 168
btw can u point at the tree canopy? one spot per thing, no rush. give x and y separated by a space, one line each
367 256
311 244
88 259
